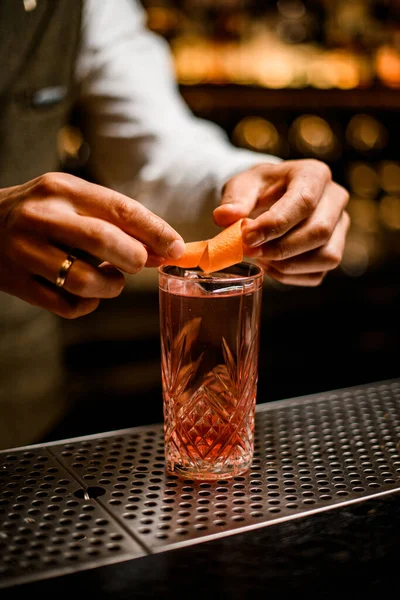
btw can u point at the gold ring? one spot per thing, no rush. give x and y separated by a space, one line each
64 270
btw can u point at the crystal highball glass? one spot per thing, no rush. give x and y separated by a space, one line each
210 328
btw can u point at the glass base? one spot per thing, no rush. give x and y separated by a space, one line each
206 474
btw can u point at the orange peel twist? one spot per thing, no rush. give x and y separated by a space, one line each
220 252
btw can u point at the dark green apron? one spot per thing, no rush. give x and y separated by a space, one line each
37 54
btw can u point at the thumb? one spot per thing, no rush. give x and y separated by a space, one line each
239 198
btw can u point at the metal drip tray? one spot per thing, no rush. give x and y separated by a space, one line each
90 501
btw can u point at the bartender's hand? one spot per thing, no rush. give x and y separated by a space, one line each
46 219
297 222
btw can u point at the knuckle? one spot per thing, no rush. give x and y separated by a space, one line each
306 199
319 167
51 183
25 213
322 231
112 284
332 257
118 287
80 280
123 208
139 261
281 225
97 233
324 170
159 230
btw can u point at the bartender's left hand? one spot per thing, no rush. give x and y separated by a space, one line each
296 222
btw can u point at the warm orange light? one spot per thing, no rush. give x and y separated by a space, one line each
364 214
389 172
161 19
389 212
312 134
387 65
365 133
363 179
194 60
356 256
69 142
257 133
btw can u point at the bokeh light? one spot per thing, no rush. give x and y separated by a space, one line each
275 70
365 133
356 257
389 172
364 214
387 65
389 212
313 135
363 179
257 134
69 142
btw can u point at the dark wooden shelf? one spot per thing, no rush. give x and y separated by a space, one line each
206 98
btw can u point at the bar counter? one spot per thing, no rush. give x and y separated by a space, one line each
317 514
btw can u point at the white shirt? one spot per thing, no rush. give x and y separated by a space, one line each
144 140
145 143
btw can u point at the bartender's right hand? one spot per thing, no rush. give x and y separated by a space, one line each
57 214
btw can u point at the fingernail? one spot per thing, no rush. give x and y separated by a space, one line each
254 238
176 249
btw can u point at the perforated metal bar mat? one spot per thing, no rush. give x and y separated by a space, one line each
91 501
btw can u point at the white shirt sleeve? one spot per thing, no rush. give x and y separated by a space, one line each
144 140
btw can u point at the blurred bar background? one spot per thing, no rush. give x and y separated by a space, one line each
298 79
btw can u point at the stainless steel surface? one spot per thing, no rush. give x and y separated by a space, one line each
49 524
81 503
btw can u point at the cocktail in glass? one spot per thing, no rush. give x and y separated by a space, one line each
210 327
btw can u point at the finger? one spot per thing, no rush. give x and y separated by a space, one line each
83 279
103 240
306 183
250 193
41 293
313 232
97 237
63 304
130 216
304 279
325 258
239 197
87 281
154 260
